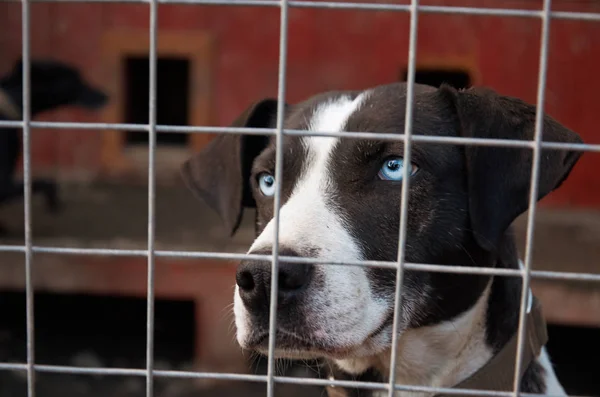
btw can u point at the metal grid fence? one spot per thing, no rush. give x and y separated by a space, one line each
526 273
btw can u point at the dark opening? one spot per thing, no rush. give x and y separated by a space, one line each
436 77
172 97
574 351
110 329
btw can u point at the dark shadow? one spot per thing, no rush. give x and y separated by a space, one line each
436 77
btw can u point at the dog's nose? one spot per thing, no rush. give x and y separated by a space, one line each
254 280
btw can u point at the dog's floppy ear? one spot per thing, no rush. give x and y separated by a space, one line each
18 67
499 178
220 173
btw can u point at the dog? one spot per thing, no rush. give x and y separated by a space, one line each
340 203
53 85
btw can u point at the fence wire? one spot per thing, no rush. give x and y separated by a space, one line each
26 114
533 193
408 122
487 11
151 198
525 273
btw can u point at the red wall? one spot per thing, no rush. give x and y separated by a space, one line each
331 49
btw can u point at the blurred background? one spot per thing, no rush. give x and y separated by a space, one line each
213 61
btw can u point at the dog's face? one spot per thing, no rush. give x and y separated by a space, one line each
340 202
55 84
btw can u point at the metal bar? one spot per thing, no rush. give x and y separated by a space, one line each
224 256
511 143
256 378
13 367
453 10
575 16
26 114
283 42
151 198
408 123
533 193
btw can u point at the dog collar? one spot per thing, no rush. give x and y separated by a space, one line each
498 373
7 107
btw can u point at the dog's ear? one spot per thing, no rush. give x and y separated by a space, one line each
499 178
220 174
18 66
15 76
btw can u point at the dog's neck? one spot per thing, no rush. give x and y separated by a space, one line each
440 355
445 354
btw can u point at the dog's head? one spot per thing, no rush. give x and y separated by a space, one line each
340 202
53 84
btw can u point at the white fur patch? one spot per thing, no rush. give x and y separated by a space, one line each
306 219
440 355
553 386
343 311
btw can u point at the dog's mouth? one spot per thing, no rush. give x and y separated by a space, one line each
285 341
292 345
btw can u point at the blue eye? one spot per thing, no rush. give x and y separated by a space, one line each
393 169
266 183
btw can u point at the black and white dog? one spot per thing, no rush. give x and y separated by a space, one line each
340 200
53 84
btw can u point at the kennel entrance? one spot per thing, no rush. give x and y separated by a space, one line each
102 330
435 77
119 284
172 98
183 98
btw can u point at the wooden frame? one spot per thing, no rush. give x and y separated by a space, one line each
117 45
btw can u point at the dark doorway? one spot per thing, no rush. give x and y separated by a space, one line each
110 328
172 98
436 77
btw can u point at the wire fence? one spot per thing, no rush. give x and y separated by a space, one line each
526 272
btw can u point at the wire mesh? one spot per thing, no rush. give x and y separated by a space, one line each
410 87
283 42
151 198
525 273
533 193
26 106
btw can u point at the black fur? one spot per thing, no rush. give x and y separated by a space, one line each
533 379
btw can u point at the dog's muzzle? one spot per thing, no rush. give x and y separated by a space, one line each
321 310
254 282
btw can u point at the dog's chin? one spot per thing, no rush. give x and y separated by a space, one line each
291 346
